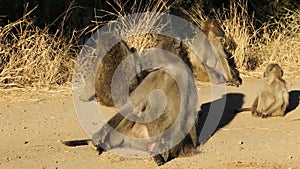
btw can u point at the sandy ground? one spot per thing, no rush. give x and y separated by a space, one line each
33 122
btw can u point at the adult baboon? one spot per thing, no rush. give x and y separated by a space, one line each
112 134
273 98
161 111
179 109
215 33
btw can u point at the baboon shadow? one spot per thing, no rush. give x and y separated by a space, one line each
216 114
294 98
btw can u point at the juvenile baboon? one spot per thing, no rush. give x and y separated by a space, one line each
107 68
212 29
101 89
273 98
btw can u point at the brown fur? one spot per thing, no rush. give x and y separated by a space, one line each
98 85
161 80
215 33
107 139
106 70
273 99
108 65
115 56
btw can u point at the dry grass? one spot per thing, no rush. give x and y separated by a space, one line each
280 43
32 57
148 23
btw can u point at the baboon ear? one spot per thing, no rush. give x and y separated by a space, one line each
210 23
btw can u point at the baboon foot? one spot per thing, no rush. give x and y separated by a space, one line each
264 116
236 82
87 98
159 160
256 114
100 150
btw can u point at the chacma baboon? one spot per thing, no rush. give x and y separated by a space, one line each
212 29
106 139
106 70
107 67
101 88
273 98
154 118
179 109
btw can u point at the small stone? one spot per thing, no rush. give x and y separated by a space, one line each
25 142
7 159
241 142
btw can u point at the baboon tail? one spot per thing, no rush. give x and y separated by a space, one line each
73 143
242 109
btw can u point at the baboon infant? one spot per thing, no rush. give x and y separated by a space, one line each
273 98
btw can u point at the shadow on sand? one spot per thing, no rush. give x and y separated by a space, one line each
217 114
294 99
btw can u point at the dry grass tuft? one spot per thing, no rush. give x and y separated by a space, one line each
148 23
32 57
280 43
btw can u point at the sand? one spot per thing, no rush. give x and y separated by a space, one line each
32 123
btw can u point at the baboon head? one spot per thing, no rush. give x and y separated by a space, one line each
212 26
273 70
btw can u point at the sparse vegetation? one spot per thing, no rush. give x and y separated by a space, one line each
32 56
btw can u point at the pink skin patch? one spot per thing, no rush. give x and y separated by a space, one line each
151 146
